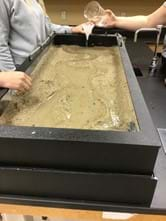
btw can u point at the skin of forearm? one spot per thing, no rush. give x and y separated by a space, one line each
132 23
158 17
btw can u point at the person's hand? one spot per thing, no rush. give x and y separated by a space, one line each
81 28
107 20
15 80
77 29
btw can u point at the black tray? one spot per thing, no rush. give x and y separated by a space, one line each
124 152
68 185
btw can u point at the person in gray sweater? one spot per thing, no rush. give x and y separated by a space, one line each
23 27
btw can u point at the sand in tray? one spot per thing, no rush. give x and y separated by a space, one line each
76 87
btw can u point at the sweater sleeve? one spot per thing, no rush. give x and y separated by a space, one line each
6 60
59 29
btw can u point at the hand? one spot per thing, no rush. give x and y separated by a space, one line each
77 29
15 80
81 28
107 20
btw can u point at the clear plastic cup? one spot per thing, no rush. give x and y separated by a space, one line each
93 11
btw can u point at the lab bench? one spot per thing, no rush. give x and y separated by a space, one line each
154 92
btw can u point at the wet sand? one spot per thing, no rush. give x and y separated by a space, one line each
76 87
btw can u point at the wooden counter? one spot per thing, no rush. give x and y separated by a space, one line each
69 214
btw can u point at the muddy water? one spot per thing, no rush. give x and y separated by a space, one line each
76 87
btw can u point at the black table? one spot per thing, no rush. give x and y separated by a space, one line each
154 93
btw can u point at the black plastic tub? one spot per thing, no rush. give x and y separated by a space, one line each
67 185
87 150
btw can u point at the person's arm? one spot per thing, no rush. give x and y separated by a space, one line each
6 60
61 29
15 80
158 17
64 29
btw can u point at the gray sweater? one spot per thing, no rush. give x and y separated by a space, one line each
22 29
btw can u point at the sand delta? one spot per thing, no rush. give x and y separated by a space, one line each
75 87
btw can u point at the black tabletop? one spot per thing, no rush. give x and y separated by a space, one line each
154 92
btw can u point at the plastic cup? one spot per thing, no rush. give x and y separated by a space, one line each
93 11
